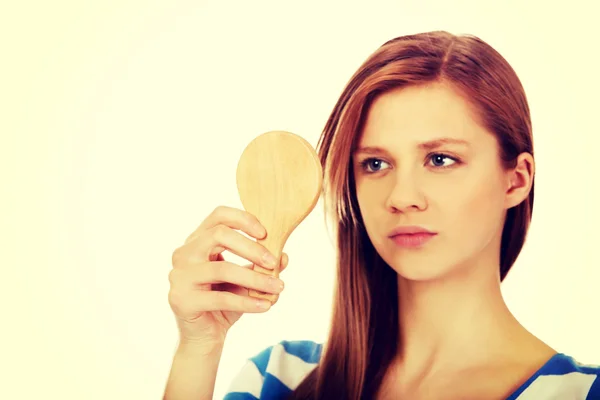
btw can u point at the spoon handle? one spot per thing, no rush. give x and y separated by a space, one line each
273 244
272 297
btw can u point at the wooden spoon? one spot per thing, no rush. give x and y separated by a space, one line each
279 180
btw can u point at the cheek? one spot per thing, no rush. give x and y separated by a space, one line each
372 211
476 206
367 203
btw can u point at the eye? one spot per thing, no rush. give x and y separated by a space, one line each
438 159
375 162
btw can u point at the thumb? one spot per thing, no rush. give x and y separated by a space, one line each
284 261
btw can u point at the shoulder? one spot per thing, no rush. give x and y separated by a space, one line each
276 370
566 377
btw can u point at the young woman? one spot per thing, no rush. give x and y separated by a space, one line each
429 177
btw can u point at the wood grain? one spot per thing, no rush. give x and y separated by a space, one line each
279 180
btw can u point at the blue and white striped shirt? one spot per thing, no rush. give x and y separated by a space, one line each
276 371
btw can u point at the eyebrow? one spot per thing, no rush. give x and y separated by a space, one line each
429 145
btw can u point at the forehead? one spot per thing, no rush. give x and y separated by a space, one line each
420 113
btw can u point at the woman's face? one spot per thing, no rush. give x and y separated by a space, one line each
437 169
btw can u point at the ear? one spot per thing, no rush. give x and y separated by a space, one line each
519 180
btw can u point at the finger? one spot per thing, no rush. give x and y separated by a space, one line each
225 272
284 261
237 219
226 301
224 238
232 217
210 244
191 304
282 265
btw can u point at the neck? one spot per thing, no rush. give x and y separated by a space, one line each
458 321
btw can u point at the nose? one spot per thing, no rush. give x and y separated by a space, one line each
407 194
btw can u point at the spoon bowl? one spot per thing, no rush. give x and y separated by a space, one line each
279 180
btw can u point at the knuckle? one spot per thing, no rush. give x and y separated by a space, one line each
219 233
176 257
175 277
180 303
175 299
190 238
219 211
172 277
182 256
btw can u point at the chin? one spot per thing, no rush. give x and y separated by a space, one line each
414 273
416 266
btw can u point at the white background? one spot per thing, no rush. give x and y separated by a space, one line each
122 124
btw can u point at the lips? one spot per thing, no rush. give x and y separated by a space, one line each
410 230
412 239
411 236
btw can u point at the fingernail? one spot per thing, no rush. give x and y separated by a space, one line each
259 229
270 260
276 284
263 304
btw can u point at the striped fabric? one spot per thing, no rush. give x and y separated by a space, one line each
276 371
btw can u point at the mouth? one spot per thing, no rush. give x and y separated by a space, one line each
411 236
412 239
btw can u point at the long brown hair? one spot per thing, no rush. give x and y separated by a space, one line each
364 329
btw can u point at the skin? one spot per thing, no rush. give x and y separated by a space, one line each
454 323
